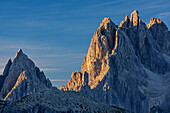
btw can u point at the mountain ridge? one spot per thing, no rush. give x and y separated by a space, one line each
120 56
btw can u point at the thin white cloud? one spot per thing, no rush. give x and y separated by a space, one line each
74 55
31 47
154 6
85 8
105 4
59 80
51 69
165 14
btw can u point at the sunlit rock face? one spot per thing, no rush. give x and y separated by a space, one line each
77 80
126 65
22 77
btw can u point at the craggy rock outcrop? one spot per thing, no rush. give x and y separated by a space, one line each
22 77
127 65
77 80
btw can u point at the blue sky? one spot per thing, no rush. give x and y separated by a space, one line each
56 34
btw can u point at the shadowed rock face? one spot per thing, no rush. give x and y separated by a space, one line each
121 62
22 77
146 49
160 34
5 73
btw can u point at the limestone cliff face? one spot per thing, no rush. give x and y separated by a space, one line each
121 62
22 78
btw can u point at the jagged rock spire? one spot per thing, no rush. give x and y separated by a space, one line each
5 73
133 21
19 53
107 23
156 21
20 56
160 34
134 18
7 67
125 22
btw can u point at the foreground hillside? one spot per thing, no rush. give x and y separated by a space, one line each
55 101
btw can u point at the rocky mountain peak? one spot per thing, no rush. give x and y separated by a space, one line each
5 73
160 34
156 22
107 24
134 18
19 52
126 17
12 86
134 15
10 60
125 22
20 55
7 67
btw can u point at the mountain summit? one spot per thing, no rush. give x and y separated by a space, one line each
127 66
21 77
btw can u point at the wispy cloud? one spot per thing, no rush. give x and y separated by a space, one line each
105 4
27 24
59 80
163 15
74 55
51 69
154 5
22 46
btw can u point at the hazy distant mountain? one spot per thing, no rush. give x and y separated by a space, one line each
127 65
